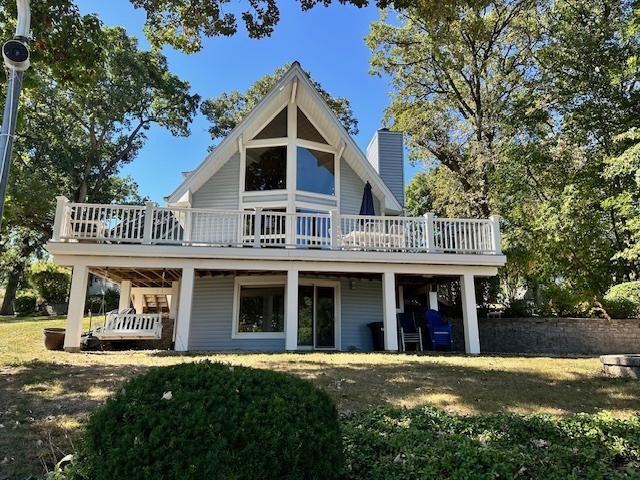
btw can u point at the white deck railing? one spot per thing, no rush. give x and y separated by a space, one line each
151 224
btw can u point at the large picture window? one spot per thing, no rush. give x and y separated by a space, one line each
266 169
315 171
261 309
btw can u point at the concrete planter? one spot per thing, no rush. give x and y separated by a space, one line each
621 365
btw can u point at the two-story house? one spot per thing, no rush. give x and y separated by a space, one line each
270 243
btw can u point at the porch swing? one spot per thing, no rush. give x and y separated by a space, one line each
126 324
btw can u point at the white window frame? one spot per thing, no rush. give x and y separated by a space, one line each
292 142
239 282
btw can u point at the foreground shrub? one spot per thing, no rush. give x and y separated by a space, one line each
620 307
103 303
561 301
213 421
50 281
628 290
623 300
25 304
388 444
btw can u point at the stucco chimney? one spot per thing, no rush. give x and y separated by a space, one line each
386 153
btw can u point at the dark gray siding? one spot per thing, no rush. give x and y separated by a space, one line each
351 189
212 319
359 308
221 191
386 154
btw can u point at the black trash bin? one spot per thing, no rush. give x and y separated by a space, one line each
377 335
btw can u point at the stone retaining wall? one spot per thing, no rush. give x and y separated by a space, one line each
554 336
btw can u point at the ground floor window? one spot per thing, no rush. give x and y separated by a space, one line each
259 307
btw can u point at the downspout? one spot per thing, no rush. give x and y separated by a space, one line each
16 58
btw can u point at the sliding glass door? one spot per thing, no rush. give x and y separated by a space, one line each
316 317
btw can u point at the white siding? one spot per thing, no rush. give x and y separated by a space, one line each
359 308
351 190
212 319
221 191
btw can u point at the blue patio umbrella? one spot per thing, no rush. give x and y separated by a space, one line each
367 201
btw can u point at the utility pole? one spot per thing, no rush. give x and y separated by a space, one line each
16 58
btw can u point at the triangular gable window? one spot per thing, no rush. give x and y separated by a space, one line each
277 128
307 131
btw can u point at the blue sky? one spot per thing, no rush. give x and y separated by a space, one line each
328 42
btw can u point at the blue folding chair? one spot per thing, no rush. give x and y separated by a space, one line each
440 332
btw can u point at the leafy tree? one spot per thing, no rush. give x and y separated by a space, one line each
437 190
535 140
624 169
455 81
227 110
75 136
98 127
184 24
571 205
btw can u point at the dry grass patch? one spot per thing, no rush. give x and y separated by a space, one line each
50 394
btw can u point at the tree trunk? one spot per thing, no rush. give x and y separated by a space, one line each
11 289
15 276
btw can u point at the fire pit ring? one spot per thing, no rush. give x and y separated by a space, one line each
625 365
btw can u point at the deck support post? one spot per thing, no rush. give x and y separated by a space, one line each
173 304
430 232
61 204
390 320
138 302
147 234
495 234
125 295
291 312
75 314
183 322
469 315
334 221
433 298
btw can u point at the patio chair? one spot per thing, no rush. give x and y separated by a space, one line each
440 332
409 331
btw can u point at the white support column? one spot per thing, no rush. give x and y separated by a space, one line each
291 312
334 220
183 322
75 313
147 234
433 299
174 302
469 315
495 234
138 302
175 307
389 305
257 227
59 221
430 231
125 295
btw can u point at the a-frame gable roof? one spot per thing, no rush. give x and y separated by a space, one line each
294 86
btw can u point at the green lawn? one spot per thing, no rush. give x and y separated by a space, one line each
46 396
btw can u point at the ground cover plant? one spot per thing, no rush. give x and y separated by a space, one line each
46 396
387 443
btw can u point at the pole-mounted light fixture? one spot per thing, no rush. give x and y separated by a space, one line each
16 58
